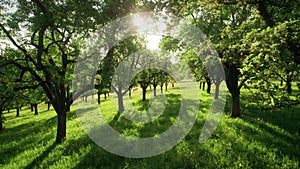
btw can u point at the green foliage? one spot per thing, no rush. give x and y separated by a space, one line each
271 53
257 41
48 37
257 38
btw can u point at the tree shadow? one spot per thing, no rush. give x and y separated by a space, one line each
277 129
38 160
142 105
26 135
96 157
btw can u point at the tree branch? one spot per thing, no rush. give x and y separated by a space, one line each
26 87
282 105
261 6
24 51
242 83
77 95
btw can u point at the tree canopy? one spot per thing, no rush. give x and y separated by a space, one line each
257 42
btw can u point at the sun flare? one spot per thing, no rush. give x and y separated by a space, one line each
145 26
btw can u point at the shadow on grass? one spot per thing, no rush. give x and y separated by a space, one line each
142 105
38 160
24 113
95 157
157 126
236 143
23 137
278 128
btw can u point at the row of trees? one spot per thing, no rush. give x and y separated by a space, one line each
13 94
46 38
130 66
257 42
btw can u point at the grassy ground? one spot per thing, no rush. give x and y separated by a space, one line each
260 139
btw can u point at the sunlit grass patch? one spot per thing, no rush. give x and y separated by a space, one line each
260 139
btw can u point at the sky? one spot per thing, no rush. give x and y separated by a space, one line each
148 27
152 41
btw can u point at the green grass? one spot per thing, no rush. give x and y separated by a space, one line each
260 139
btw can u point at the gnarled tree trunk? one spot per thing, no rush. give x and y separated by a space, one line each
232 77
235 105
61 125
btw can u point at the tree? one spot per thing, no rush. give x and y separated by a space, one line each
6 91
224 26
122 80
144 79
273 45
155 79
51 44
35 97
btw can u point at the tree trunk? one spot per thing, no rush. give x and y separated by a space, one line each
61 126
208 87
281 82
105 95
161 88
18 112
232 81
173 85
129 92
35 109
289 85
144 93
8 110
203 86
49 105
235 106
217 90
68 109
154 90
98 96
31 107
200 85
120 102
1 120
166 86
